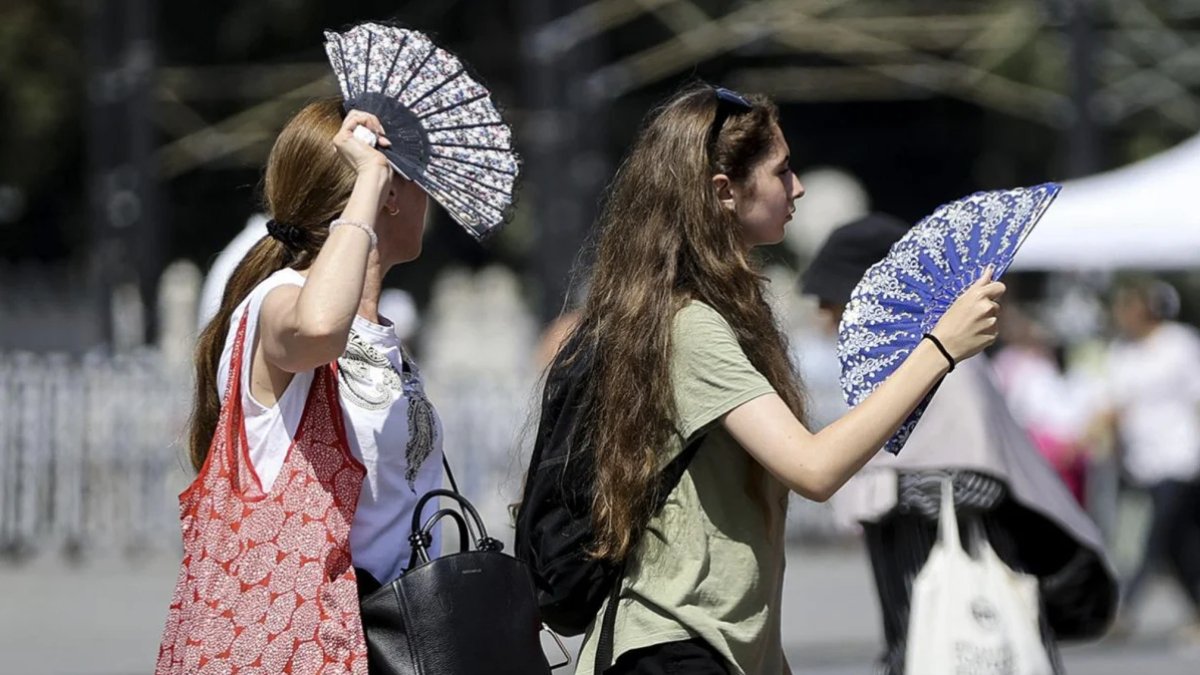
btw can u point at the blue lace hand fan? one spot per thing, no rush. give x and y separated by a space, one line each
902 297
446 133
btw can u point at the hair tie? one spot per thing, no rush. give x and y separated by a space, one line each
941 348
285 233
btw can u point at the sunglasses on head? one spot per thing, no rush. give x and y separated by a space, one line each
731 96
728 102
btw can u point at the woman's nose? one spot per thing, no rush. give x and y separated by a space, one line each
797 189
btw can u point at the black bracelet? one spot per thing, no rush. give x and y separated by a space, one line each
941 348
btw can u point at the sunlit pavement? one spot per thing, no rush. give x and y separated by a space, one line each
104 618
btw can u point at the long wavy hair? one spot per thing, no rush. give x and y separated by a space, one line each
664 240
306 185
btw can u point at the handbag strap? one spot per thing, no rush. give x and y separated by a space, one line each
449 473
476 536
408 367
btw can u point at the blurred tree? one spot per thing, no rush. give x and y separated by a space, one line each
41 138
923 99
223 99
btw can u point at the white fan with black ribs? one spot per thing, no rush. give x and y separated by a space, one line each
446 133
903 296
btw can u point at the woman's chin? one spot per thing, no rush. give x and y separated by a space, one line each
398 255
776 237
411 255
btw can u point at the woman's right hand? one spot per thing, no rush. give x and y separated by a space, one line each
969 326
360 156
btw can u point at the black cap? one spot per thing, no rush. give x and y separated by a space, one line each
848 253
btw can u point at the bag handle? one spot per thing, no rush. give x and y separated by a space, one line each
420 549
466 506
422 538
978 535
948 520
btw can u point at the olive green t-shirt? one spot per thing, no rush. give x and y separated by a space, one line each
711 562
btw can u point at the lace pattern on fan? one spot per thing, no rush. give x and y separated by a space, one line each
904 295
465 157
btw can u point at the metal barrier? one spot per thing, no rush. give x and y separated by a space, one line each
87 452
92 451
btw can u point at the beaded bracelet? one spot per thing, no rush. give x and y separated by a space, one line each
362 226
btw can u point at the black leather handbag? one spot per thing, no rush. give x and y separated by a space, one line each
473 612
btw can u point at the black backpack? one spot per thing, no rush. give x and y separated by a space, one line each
554 523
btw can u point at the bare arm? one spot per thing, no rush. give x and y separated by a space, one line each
302 328
816 465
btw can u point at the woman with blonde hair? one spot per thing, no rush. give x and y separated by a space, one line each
685 347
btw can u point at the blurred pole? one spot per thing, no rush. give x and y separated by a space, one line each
125 252
564 136
1083 159
1083 139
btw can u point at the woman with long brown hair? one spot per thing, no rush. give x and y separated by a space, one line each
685 347
311 435
308 414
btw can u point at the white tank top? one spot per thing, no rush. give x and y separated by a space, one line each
390 424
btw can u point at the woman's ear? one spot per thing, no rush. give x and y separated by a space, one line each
724 188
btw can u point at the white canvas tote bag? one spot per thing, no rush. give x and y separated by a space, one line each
972 617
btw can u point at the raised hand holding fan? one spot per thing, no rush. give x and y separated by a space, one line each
446 133
903 296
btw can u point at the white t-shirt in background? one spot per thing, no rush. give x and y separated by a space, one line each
1154 385
390 424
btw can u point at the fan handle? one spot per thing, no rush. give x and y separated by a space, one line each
366 135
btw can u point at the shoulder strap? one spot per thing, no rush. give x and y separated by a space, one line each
328 377
673 472
232 421
671 476
407 366
449 473
233 385
604 650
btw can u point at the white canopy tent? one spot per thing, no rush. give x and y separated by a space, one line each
1145 215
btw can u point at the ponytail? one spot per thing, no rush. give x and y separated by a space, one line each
306 185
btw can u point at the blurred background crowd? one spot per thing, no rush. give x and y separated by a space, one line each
132 138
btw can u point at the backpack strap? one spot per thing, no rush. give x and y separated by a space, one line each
604 650
671 476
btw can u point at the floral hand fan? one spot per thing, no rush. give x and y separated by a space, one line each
446 133
903 296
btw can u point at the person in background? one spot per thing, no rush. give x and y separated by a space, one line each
223 265
1042 398
555 334
1154 390
998 477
